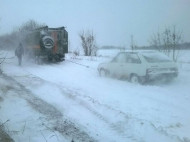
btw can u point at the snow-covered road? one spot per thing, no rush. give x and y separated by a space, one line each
107 109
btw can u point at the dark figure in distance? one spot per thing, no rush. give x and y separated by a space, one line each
19 52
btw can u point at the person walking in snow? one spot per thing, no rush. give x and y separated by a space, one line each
19 52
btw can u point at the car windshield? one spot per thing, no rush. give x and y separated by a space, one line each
155 57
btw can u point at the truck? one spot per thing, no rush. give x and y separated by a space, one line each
46 44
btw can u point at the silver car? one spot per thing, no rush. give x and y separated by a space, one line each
139 66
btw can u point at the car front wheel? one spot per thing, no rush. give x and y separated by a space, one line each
135 79
103 73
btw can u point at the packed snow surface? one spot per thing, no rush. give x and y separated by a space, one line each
106 109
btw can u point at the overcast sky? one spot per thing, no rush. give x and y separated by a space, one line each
113 21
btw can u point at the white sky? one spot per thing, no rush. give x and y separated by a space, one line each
113 21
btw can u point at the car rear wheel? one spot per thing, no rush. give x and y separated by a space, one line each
135 79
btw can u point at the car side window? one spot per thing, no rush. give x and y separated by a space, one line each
133 58
121 58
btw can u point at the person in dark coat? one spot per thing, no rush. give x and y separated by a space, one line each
19 52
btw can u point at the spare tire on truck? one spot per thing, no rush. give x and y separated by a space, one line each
47 42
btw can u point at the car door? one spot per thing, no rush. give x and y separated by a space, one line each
117 64
132 65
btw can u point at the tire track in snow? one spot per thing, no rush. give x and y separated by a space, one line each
128 118
74 98
55 117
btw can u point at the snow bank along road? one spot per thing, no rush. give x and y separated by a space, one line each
67 95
